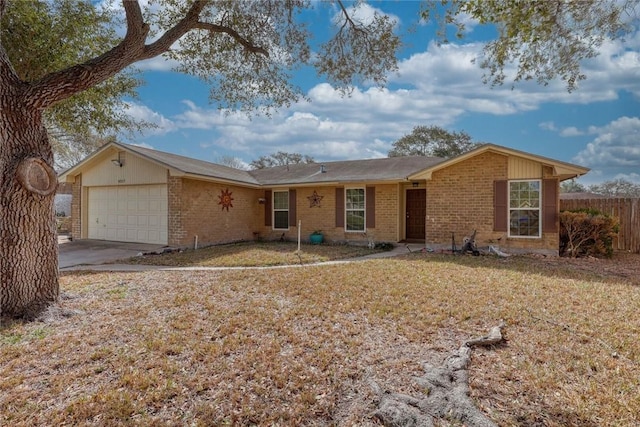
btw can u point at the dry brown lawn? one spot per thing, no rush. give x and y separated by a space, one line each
249 254
305 345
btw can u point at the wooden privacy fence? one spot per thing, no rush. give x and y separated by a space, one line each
627 210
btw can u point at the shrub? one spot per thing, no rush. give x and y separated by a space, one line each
385 246
587 232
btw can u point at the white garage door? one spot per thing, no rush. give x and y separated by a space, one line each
136 213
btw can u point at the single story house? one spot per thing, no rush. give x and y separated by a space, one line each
134 194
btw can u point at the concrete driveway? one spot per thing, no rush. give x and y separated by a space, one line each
94 252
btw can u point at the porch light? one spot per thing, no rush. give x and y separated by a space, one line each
118 162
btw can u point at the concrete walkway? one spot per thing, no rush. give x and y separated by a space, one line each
401 249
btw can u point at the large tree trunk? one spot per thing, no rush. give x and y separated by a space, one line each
28 242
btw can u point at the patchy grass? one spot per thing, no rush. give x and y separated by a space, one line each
252 254
303 346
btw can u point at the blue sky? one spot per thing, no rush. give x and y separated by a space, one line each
597 126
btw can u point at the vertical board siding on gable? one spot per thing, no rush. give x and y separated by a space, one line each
549 205
520 168
293 221
370 209
267 208
135 170
500 200
340 207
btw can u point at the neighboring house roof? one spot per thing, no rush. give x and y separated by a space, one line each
391 169
584 195
562 170
384 169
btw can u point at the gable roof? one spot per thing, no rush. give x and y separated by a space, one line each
561 169
383 169
391 169
180 165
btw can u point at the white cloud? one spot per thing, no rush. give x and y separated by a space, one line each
434 87
616 144
363 13
548 126
141 112
633 177
571 131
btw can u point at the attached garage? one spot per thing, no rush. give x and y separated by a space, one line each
135 213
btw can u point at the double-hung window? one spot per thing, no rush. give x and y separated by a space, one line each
281 210
355 209
524 208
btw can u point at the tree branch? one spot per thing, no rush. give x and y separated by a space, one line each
214 28
60 85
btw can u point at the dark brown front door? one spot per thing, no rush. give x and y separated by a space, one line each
416 212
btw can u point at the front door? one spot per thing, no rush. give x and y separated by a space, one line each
416 213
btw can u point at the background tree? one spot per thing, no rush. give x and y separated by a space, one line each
572 186
432 141
68 150
616 188
232 162
280 158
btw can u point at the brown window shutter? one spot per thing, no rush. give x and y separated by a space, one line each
549 205
292 209
370 211
500 208
340 207
267 208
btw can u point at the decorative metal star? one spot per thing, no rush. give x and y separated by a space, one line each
314 199
225 199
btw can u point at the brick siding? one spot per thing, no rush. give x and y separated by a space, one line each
460 200
76 203
195 210
323 217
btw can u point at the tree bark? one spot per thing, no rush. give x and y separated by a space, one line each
28 242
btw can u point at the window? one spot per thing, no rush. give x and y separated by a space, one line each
281 210
524 208
355 209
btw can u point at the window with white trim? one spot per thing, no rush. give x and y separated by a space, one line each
354 209
525 208
281 210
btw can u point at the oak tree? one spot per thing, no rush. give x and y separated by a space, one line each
245 49
432 141
280 158
544 40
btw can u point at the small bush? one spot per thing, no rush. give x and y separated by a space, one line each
587 232
385 246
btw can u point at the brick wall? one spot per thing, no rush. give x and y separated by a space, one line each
176 231
195 209
323 217
76 203
460 200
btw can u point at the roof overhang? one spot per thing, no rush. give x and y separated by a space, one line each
561 170
112 148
